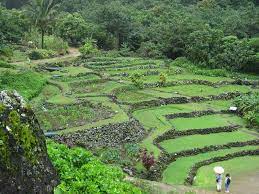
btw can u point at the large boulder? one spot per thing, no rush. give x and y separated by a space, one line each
24 163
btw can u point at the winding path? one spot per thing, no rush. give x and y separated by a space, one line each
73 53
247 184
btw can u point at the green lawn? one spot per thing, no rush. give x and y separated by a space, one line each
61 100
203 90
209 121
177 171
155 78
71 71
236 167
155 118
199 141
27 83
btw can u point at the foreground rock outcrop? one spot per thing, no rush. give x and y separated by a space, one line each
24 163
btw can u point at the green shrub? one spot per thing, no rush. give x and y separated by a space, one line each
111 155
132 150
136 79
36 54
32 38
72 28
56 44
210 48
254 43
150 49
80 172
162 79
28 84
4 64
6 52
248 106
89 48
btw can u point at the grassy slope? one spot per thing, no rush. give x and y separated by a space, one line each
29 84
202 90
199 141
177 171
236 167
154 118
209 121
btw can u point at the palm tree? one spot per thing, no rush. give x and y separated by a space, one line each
42 12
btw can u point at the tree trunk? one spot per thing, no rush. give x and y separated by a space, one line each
42 38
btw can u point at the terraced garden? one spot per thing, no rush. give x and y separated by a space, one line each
184 119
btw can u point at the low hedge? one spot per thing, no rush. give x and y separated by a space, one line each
41 54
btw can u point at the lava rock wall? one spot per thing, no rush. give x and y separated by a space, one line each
24 163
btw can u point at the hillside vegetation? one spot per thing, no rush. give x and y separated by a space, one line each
141 88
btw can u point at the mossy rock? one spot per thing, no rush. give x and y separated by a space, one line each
24 163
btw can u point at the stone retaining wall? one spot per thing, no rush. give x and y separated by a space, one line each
111 135
196 114
173 134
204 82
182 100
165 158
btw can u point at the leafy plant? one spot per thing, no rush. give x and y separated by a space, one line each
88 48
29 84
36 54
56 44
81 172
111 155
162 79
136 79
132 149
148 160
248 106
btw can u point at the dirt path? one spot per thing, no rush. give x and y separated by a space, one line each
248 184
73 53
162 188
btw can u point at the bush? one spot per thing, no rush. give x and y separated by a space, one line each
36 54
4 64
248 106
196 69
81 172
136 79
234 54
132 150
254 43
149 49
5 52
72 28
29 84
111 156
162 79
56 44
210 48
89 48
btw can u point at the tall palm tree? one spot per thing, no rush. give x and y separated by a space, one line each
42 12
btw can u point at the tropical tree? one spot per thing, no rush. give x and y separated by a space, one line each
42 13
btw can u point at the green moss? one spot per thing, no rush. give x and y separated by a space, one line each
23 135
2 108
4 150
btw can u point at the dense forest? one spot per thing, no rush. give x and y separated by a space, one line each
211 33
